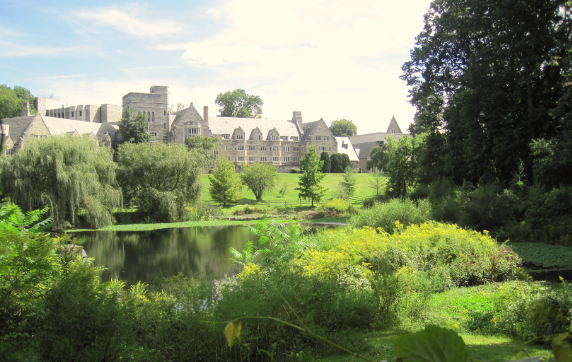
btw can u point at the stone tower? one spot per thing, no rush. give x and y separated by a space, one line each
155 106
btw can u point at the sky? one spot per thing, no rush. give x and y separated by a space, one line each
333 59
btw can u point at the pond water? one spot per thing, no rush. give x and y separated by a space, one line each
132 256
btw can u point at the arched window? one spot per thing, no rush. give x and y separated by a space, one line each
148 116
153 116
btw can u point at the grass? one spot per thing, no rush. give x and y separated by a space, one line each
157 226
330 182
543 254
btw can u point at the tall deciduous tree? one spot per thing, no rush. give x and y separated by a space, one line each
207 145
12 101
378 159
133 128
339 162
488 73
160 178
72 175
325 156
259 178
226 184
309 183
401 165
239 104
343 127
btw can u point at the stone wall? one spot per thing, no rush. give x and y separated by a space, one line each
43 104
155 105
110 113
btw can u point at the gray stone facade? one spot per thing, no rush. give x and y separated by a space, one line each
86 113
155 105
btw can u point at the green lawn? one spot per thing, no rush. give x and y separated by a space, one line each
331 181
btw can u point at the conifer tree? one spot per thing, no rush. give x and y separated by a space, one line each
225 183
349 182
311 166
325 156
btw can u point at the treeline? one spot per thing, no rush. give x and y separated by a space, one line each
491 84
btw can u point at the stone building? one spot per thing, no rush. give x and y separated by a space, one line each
249 140
154 105
87 113
367 142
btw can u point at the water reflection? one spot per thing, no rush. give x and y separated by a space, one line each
132 256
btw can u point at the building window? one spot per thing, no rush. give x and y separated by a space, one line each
192 132
262 148
296 159
240 158
294 138
286 148
154 134
240 148
164 125
148 116
295 149
153 116
274 138
251 159
286 159
330 148
252 148
165 139
274 148
263 159
225 136
318 138
72 113
284 138
275 159
229 158
226 147
326 138
80 113
239 136
59 115
256 138
164 112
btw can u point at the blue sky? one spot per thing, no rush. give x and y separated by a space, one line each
331 59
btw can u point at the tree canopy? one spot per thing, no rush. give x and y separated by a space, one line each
343 127
133 128
377 159
325 156
225 183
309 183
239 104
73 175
486 77
160 178
339 162
259 178
12 101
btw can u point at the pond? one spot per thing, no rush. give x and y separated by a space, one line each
133 256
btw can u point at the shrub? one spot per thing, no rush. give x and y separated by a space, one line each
385 215
248 210
421 192
294 170
203 211
338 205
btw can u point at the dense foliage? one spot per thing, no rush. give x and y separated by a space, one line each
160 178
309 184
12 101
73 175
339 162
259 178
133 128
325 156
343 128
225 184
239 104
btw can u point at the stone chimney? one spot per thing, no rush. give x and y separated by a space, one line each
26 109
206 114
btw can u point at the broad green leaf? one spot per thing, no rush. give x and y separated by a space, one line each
434 344
232 332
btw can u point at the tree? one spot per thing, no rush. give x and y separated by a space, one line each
339 162
160 179
485 77
12 101
204 144
309 182
73 175
239 104
377 182
259 178
378 159
343 128
226 184
325 156
401 165
133 129
349 182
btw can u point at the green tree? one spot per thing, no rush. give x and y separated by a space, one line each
207 145
378 159
73 175
325 156
226 184
344 128
160 178
259 178
12 101
377 182
349 182
401 166
339 162
309 183
485 77
239 104
133 129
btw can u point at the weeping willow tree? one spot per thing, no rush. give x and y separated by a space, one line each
72 175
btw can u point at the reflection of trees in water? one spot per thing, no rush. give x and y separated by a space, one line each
198 252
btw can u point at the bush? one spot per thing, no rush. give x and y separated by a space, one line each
295 170
421 192
203 211
385 215
338 205
248 210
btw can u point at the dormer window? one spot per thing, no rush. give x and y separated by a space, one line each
318 138
256 138
294 138
284 138
225 136
274 138
239 136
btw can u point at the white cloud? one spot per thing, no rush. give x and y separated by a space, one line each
311 54
66 76
10 49
130 19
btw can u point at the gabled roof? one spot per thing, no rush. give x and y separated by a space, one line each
350 151
393 126
227 125
309 128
